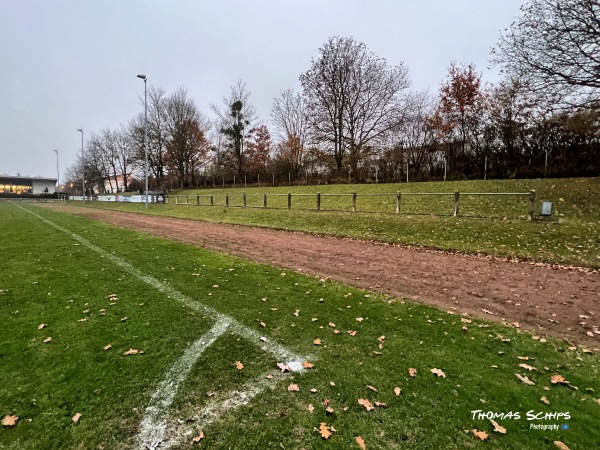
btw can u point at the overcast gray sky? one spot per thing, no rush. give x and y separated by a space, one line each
69 64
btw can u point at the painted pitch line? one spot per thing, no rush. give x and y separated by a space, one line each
154 423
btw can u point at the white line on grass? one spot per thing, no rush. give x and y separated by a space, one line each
153 425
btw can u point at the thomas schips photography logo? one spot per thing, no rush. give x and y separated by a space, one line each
538 420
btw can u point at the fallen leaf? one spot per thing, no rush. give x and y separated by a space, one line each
324 430
313 390
523 358
463 320
397 390
438 372
297 313
293 388
336 331
545 400
124 319
482 435
317 342
558 379
497 427
131 351
9 421
310 408
380 404
76 417
527 366
326 402
239 365
332 383
412 372
359 319
366 403
41 326
107 347
329 410
284 367
561 445
361 443
381 339
525 379
373 388
199 437
262 324
351 332
307 365
331 324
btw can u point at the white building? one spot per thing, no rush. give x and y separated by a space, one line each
27 185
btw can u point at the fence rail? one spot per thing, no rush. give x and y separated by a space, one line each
229 200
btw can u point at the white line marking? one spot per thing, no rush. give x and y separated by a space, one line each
153 426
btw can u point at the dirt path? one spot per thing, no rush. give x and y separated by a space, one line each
561 302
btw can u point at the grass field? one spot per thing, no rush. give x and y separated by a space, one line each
572 236
129 290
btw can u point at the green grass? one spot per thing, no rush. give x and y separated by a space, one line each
572 236
46 278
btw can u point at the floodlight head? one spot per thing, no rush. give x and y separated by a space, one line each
143 77
79 129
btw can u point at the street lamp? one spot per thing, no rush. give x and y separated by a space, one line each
143 77
57 174
82 167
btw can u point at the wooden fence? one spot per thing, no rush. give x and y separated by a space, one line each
262 200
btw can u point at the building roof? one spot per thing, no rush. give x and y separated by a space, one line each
15 177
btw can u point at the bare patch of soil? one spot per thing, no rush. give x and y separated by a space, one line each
540 298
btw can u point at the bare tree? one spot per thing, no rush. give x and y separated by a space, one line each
290 116
554 49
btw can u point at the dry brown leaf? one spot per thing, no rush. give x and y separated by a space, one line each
317 342
269 376
463 320
561 445
331 324
307 365
131 351
380 404
76 417
381 339
324 431
48 339
351 332
558 379
545 400
9 421
297 313
374 389
239 365
361 443
329 410
397 390
262 324
527 366
366 403
107 347
313 390
326 402
523 358
482 435
41 326
359 319
332 383
198 438
412 372
310 408
438 372
293 388
525 380
336 331
497 427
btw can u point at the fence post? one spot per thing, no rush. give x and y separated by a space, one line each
212 203
265 200
318 201
289 200
197 200
531 203
227 200
244 200
456 197
354 202
187 200
177 199
398 199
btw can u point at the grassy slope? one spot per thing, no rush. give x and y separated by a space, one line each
51 280
504 230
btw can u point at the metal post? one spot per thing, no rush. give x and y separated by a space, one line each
531 203
57 174
227 200
273 179
234 181
223 177
546 163
485 168
187 199
445 164
289 200
289 179
145 78
265 201
259 180
354 202
456 197
407 172
82 167
398 200
318 201
212 201
197 200
244 181
244 200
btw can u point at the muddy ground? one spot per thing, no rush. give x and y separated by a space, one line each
543 299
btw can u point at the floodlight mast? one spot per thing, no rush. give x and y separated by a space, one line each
82 166
143 77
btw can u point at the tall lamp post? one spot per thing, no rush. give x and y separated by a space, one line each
82 166
57 175
143 77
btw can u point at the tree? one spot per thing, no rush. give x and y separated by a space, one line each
554 48
290 116
234 122
258 149
352 96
